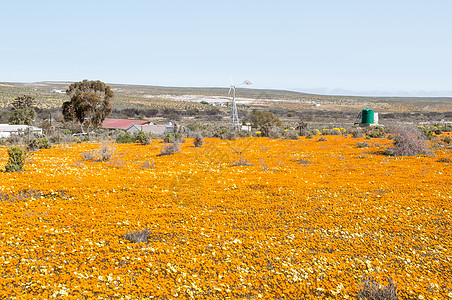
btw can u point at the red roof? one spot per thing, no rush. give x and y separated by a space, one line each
122 123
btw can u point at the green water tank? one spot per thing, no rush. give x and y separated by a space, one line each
367 116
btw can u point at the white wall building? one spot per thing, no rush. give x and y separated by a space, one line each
7 130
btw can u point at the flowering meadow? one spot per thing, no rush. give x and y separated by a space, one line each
251 218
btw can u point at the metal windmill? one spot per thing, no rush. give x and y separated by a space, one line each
234 123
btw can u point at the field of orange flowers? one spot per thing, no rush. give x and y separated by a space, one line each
251 218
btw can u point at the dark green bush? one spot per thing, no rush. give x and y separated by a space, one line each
16 160
431 131
125 138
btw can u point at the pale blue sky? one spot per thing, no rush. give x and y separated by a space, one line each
362 45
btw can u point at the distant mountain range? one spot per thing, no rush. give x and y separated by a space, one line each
375 93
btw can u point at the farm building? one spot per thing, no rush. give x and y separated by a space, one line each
7 130
151 128
122 123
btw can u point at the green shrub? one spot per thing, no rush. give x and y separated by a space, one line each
39 143
375 132
16 160
125 138
173 137
431 131
143 138
219 132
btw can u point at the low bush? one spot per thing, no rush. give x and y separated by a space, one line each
16 159
230 135
407 142
303 161
431 131
375 132
446 140
105 152
356 133
322 139
199 140
241 162
148 164
137 236
275 133
125 138
89 155
364 144
244 134
371 290
39 143
333 131
291 135
170 149
445 159
219 132
173 137
143 138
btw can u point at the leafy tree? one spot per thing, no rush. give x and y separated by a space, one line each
264 121
23 102
23 116
90 103
22 112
